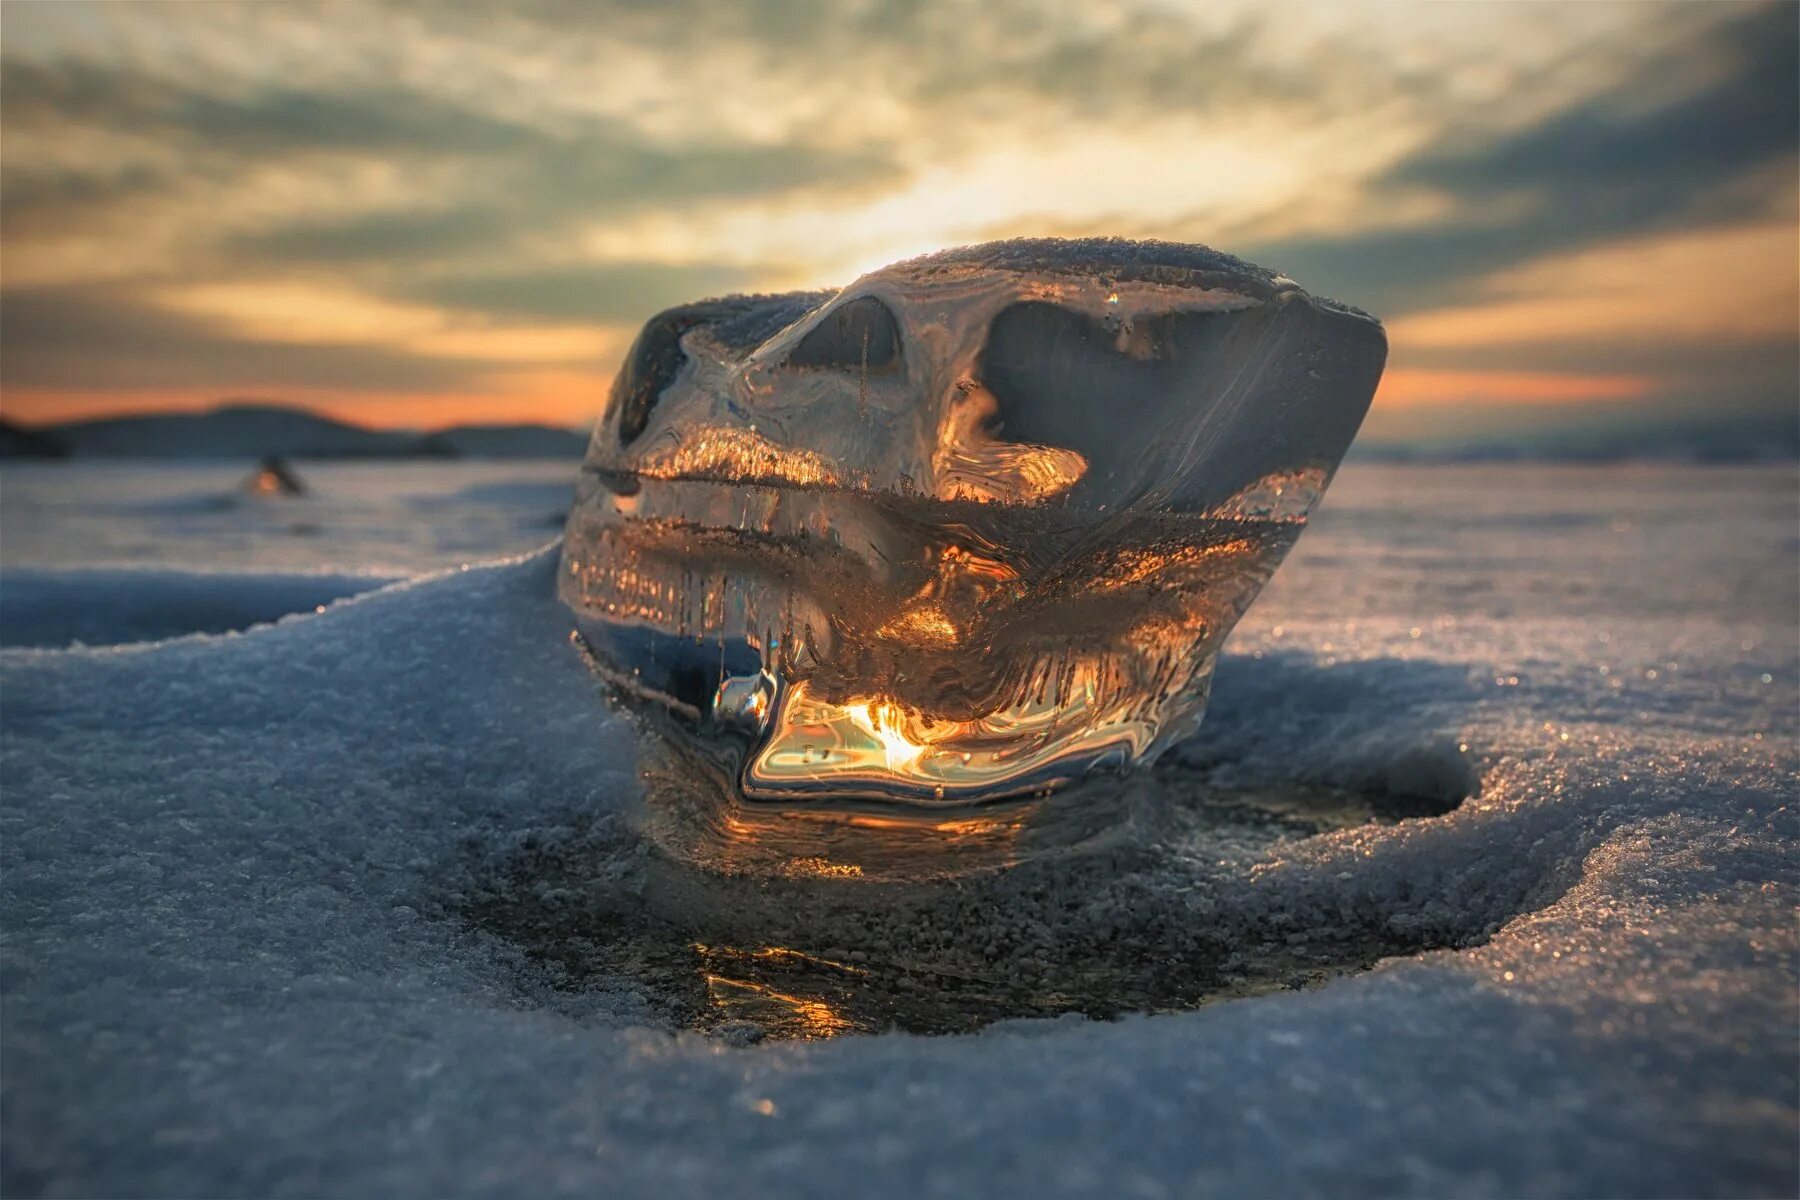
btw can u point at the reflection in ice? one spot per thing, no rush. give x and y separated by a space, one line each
974 528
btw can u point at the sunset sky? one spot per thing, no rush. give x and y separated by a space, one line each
419 213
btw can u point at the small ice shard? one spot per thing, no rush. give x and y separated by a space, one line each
973 527
273 477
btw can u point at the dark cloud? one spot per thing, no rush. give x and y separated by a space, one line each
607 168
47 201
100 336
1746 117
69 93
380 119
485 204
1146 69
395 236
1032 59
511 188
484 254
506 179
594 293
1606 169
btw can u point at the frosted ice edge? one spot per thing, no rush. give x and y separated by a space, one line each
974 526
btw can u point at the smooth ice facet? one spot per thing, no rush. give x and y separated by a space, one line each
973 527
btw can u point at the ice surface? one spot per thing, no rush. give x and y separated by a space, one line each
974 527
106 553
233 872
387 518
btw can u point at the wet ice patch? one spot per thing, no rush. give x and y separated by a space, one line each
1160 912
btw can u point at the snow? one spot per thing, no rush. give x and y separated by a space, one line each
234 871
100 606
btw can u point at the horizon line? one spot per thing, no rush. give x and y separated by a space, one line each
298 407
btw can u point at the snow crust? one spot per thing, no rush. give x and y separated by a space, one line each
102 607
230 868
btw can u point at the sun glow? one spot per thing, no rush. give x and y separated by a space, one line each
883 721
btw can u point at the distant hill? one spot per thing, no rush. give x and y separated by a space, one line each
18 442
512 441
254 431
238 431
1771 438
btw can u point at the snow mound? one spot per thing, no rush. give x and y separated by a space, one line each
98 607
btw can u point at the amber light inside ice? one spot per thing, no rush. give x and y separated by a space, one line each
974 527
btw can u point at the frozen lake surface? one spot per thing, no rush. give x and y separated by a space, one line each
386 518
243 873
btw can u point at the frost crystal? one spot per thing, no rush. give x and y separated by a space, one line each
975 526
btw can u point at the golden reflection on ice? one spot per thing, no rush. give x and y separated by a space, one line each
931 669
948 607
746 993
804 1017
738 455
1131 567
926 624
817 866
972 464
885 550
873 744
778 954
882 721
832 845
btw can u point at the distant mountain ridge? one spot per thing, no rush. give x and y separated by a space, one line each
239 431
1742 438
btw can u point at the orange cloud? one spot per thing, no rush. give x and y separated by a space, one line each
1733 283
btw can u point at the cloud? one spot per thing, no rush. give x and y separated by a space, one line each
395 236
1605 169
243 175
120 99
1613 147
529 176
582 159
36 202
1652 289
1708 377
480 215
598 292
105 337
547 187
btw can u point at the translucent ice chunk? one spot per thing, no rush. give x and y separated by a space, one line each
975 526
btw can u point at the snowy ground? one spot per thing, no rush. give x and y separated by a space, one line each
236 872
389 518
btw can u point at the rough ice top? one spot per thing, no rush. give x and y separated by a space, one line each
1104 372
